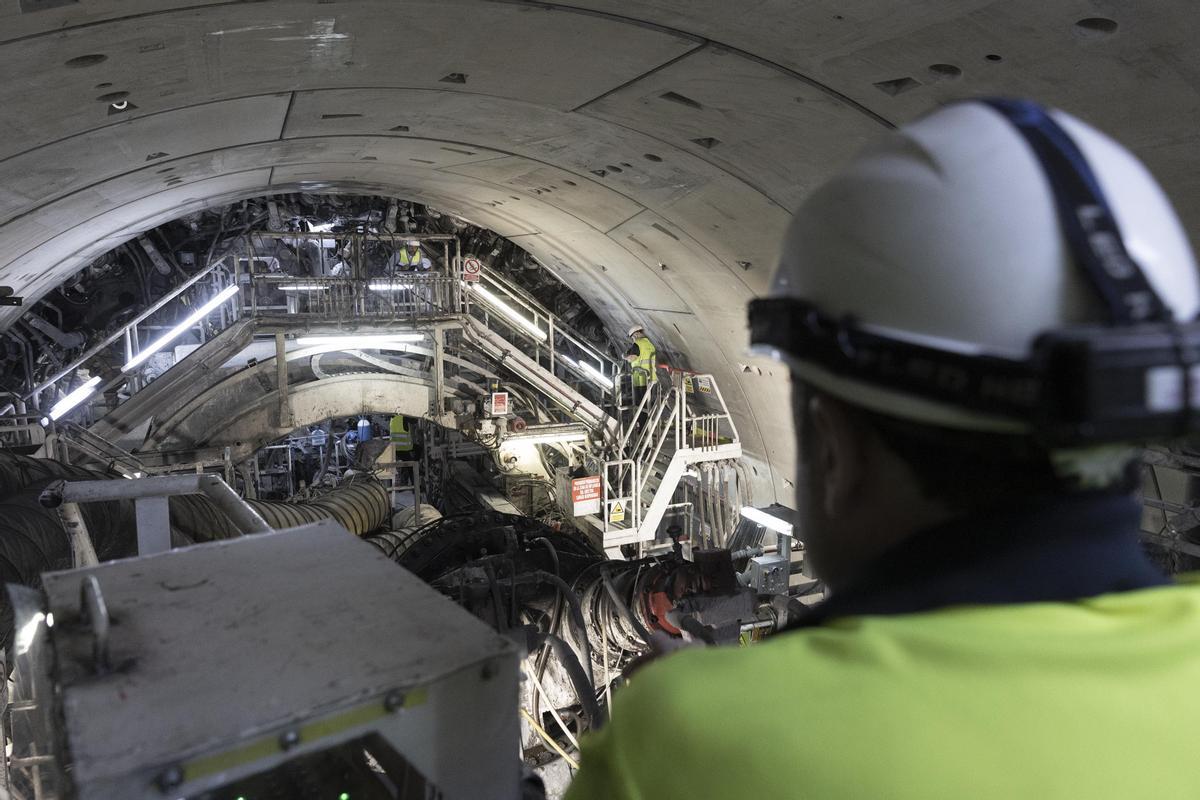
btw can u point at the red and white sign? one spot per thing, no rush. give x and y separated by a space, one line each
499 404
472 269
585 495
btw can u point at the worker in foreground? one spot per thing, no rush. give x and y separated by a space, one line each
985 315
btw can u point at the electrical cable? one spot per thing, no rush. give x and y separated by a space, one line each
548 739
540 692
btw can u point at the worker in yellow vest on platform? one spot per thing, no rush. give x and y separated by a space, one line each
411 258
977 313
643 363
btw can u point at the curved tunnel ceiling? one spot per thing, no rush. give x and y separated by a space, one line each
649 152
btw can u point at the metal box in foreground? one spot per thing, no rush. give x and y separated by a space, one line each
300 659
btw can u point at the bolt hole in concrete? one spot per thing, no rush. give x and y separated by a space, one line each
104 85
897 86
570 183
994 57
90 60
944 72
1095 27
611 168
652 157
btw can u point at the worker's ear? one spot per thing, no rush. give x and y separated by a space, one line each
840 450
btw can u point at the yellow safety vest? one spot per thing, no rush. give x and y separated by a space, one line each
408 259
644 367
1096 699
401 437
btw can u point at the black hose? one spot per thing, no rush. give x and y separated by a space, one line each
577 617
543 656
584 688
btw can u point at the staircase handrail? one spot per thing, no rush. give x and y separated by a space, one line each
96 348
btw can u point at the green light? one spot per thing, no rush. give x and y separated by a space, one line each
344 796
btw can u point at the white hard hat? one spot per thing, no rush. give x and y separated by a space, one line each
636 329
949 234
413 243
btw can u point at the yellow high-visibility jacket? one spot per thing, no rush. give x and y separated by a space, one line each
401 436
1095 699
645 366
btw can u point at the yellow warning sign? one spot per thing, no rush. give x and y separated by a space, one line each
616 513
687 384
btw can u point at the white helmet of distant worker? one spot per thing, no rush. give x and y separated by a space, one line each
635 330
994 266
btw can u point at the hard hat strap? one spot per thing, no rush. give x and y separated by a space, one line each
1087 221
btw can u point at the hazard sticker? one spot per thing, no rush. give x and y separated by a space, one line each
616 512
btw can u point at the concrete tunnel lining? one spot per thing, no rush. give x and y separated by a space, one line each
744 113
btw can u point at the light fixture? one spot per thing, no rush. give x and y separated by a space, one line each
388 286
550 437
173 334
73 399
28 632
303 287
510 312
768 521
595 375
360 342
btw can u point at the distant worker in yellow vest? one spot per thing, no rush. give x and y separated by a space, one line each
642 364
977 314
411 258
401 437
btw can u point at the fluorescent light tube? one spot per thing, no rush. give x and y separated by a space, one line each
168 337
593 374
510 312
388 286
548 438
303 287
768 521
75 398
359 342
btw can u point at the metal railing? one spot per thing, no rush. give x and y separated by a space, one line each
129 332
407 297
682 422
432 292
554 344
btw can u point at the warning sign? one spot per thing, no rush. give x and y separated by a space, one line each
704 385
616 512
499 404
585 495
688 385
472 269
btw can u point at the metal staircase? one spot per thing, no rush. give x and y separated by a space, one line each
679 424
